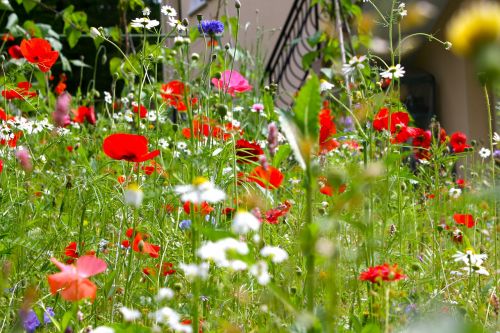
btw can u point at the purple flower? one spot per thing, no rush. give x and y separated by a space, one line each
211 27
31 321
185 224
496 153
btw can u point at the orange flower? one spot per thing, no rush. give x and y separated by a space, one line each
140 245
73 282
270 178
39 52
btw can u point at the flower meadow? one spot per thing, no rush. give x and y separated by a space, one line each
196 204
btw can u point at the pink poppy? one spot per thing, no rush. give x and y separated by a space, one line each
232 82
73 282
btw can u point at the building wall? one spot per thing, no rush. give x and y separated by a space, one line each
461 103
266 15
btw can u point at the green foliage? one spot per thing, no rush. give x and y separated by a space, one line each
75 24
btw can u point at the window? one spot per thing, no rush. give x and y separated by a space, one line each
195 5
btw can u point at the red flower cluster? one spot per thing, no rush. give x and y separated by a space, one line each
85 113
175 93
274 214
247 152
143 112
205 127
464 219
140 244
21 92
399 125
268 178
458 142
128 147
39 52
71 252
381 273
326 132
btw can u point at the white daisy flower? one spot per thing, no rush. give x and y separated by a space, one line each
276 254
164 293
402 10
244 222
130 314
175 23
103 329
496 138
144 22
470 258
168 11
261 272
192 271
484 153
455 193
325 85
354 63
163 143
201 190
108 99
146 11
133 196
393 72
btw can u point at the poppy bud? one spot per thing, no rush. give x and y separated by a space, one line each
185 22
195 56
178 286
227 46
199 17
218 75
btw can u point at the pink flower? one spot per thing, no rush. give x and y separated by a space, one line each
24 158
258 107
73 282
61 114
232 82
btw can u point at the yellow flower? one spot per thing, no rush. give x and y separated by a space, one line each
474 26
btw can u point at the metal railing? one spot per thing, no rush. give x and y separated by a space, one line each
284 67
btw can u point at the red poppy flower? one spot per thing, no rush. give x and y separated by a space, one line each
128 147
326 131
174 93
458 142
84 113
204 208
247 152
126 243
464 219
381 273
274 214
166 268
205 127
39 52
70 250
15 52
3 115
461 183
60 88
73 282
398 119
21 92
1 166
142 246
270 178
143 112
328 190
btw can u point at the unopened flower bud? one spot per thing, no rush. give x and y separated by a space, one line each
94 32
185 22
237 4
195 56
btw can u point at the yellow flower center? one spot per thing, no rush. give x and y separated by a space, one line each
199 180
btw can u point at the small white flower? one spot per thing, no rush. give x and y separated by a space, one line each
164 293
496 138
470 258
168 11
325 86
201 190
181 145
217 251
393 72
130 314
355 63
402 10
455 193
192 271
94 32
237 265
484 153
476 269
133 196
175 23
108 99
244 222
144 22
261 272
146 11
103 329
277 254
163 143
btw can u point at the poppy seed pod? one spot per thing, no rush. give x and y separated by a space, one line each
237 4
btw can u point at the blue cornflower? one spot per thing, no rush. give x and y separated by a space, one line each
185 224
31 321
211 27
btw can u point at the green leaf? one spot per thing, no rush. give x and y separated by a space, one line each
66 66
5 5
73 36
32 28
29 5
371 328
307 108
308 59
